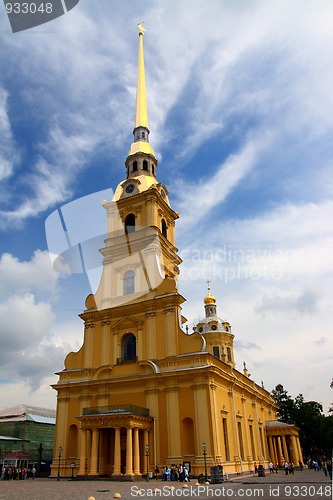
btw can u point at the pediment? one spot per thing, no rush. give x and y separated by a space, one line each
127 322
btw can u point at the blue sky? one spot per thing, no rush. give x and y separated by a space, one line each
240 109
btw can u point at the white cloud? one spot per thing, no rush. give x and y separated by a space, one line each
24 323
18 277
8 155
305 303
29 351
13 393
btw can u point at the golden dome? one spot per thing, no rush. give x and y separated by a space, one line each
209 299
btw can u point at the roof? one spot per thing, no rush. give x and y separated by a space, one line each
22 413
16 454
276 423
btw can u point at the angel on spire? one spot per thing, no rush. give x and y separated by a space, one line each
141 28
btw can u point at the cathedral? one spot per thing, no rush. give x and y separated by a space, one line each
142 391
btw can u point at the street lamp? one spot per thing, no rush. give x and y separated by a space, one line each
59 456
204 454
147 455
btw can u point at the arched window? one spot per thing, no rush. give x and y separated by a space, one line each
129 283
216 352
130 223
129 348
164 228
135 166
145 165
153 169
142 135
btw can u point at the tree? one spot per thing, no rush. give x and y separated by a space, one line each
285 403
316 430
331 407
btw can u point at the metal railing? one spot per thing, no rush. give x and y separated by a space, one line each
116 410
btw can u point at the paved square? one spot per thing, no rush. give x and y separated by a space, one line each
304 485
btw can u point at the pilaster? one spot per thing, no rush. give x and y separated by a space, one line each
151 341
173 427
105 343
170 330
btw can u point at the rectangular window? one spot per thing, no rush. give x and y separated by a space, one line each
252 443
240 437
226 440
261 442
129 283
229 354
216 352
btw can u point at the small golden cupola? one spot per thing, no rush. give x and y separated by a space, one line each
217 332
210 304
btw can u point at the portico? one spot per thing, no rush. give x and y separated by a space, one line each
283 442
113 439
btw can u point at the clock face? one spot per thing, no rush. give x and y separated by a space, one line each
130 188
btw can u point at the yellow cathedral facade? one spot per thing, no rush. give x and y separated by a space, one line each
142 392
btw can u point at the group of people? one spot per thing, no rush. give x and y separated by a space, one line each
325 465
289 467
327 468
10 472
272 468
173 473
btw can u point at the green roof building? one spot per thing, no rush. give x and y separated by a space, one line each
24 428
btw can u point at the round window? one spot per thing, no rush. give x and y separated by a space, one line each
200 329
214 327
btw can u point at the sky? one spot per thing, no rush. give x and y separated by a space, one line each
240 109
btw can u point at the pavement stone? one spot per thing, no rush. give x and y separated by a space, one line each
303 485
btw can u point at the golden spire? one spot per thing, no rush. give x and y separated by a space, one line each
141 115
141 130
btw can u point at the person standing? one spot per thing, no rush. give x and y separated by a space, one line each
271 467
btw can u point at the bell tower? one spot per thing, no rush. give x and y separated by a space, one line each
140 250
